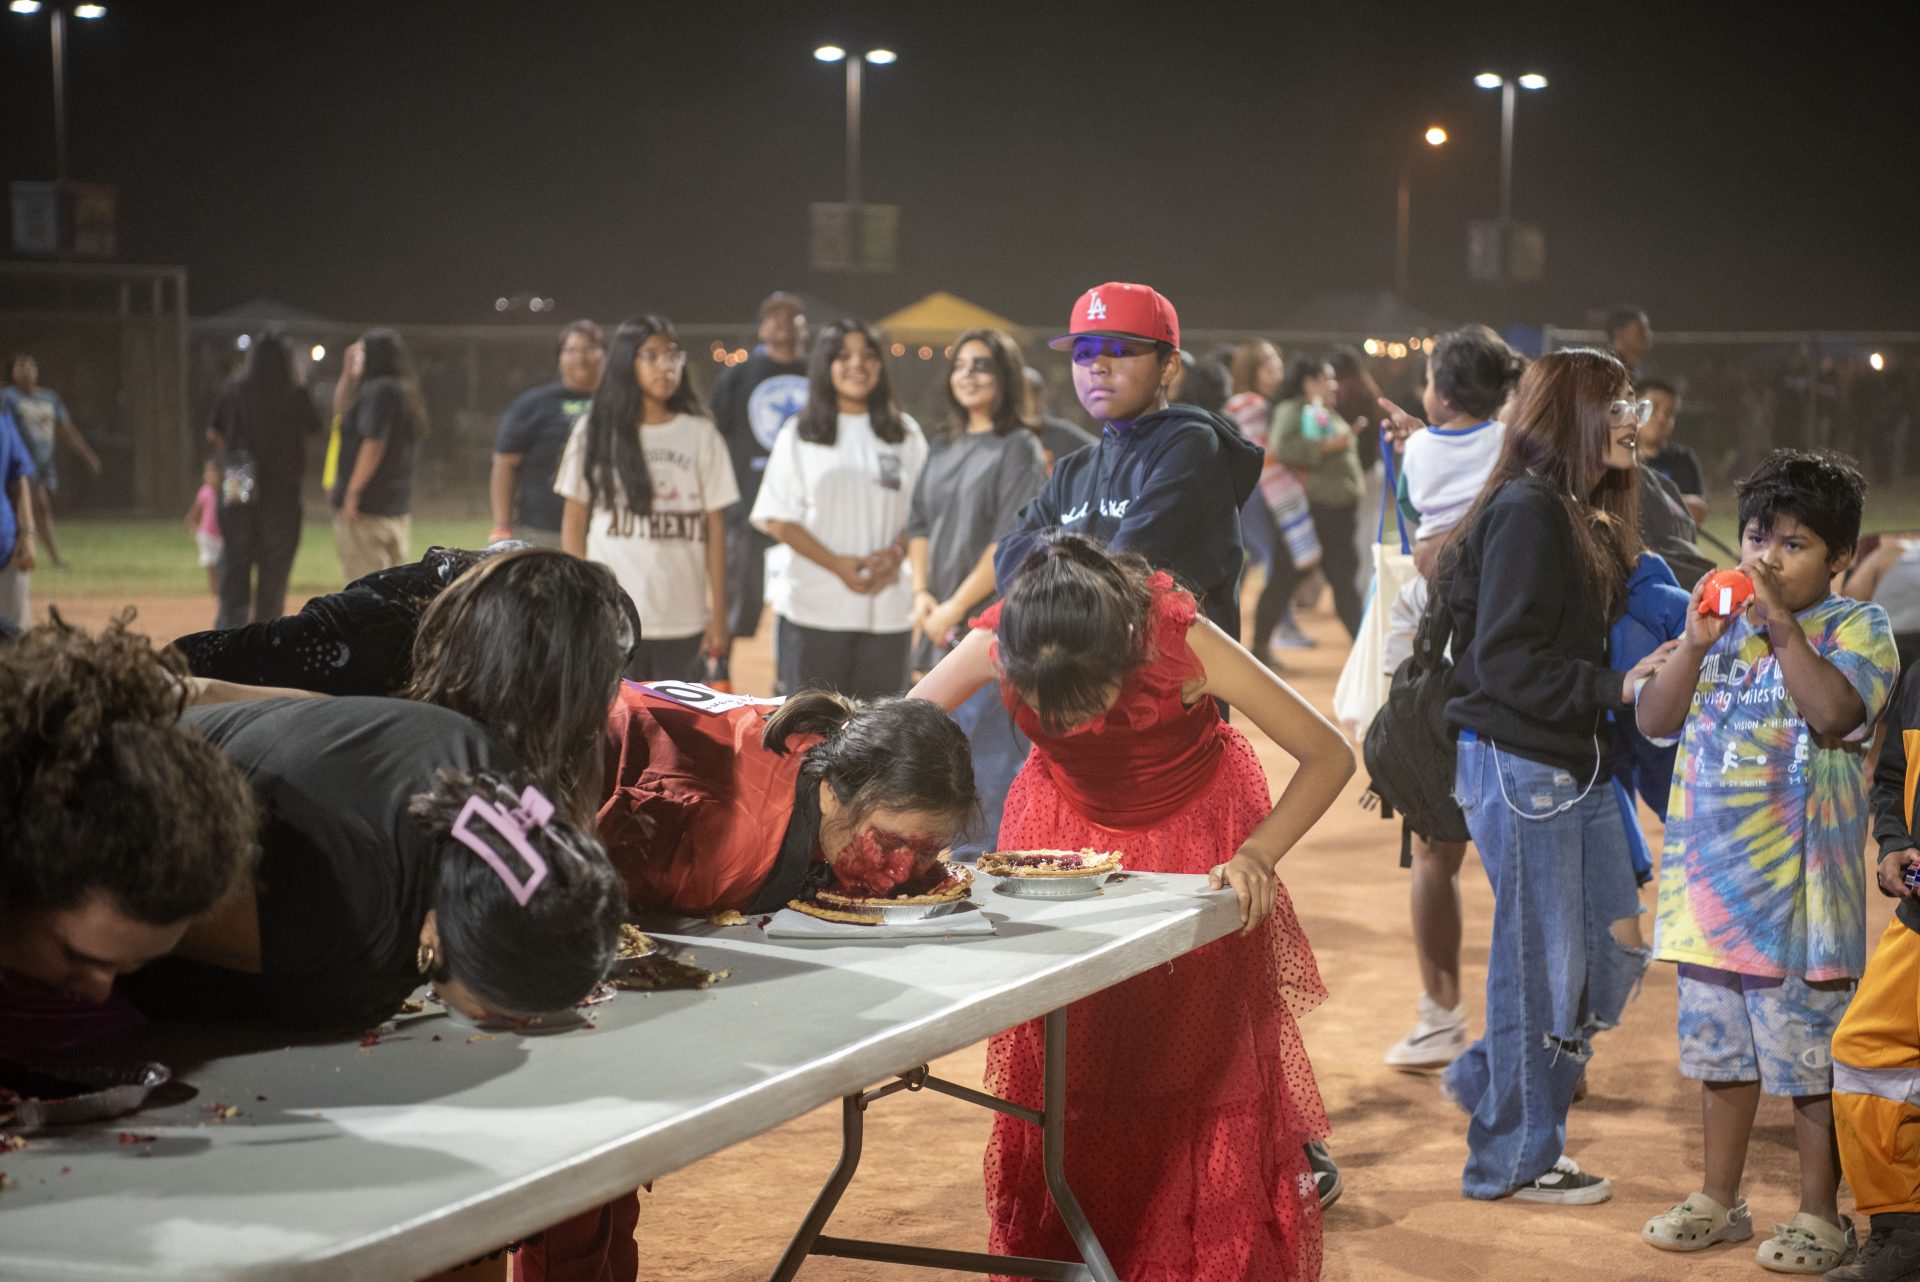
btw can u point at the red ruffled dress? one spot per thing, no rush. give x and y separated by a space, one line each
1188 1088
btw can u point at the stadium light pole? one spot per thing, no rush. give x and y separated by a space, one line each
879 58
57 28
1508 87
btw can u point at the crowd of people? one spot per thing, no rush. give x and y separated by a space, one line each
999 632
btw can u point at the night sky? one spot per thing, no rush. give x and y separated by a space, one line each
1745 166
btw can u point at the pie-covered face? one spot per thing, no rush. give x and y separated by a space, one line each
890 850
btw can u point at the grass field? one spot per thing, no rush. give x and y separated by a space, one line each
158 557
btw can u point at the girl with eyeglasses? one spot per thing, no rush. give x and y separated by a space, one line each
1534 575
836 495
648 480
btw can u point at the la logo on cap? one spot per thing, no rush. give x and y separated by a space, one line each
1118 309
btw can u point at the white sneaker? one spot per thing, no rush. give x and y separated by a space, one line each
1436 1041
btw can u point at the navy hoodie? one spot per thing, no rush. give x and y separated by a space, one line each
1169 487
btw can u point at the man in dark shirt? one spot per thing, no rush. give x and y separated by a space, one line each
1630 335
1059 437
750 401
533 435
1661 452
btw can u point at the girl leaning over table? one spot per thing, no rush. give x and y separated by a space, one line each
720 803
1192 1093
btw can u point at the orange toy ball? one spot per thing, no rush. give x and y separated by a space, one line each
1726 591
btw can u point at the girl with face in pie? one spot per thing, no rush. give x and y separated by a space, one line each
120 826
720 804
1193 1097
746 807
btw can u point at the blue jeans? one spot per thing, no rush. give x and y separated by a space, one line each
1555 973
999 750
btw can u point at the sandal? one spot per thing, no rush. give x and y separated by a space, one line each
1698 1223
1806 1245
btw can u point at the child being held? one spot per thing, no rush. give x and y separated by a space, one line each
1762 887
203 523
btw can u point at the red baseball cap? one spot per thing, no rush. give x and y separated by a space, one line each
1120 310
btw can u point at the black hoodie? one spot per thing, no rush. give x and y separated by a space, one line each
1168 487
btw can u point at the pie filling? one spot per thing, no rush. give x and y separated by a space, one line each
1050 863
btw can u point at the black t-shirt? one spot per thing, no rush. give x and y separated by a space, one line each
537 426
750 401
358 640
382 412
345 878
272 429
1681 466
1060 437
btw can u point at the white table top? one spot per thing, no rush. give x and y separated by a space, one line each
410 1156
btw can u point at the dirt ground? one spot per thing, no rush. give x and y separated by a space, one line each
1399 1144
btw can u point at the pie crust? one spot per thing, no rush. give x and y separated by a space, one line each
832 905
1050 863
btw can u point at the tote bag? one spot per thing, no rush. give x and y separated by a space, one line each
1363 682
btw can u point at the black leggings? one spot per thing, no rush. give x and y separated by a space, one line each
1340 561
1283 578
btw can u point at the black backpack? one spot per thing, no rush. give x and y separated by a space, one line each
1409 748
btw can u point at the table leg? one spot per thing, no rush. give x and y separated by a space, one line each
1052 1119
1053 1148
852 1131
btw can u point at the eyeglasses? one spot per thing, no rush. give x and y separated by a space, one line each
978 365
1622 413
672 358
1088 350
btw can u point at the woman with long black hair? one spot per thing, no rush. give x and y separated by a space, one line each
647 482
372 458
260 425
836 495
1534 575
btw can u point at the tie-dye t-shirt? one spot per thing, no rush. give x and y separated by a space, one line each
1764 870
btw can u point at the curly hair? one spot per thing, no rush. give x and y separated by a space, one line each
530 960
103 791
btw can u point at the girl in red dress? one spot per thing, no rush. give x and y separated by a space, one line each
1189 1091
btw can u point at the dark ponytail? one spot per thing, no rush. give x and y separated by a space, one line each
526 960
891 754
1074 625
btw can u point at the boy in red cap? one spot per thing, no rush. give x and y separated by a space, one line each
1165 481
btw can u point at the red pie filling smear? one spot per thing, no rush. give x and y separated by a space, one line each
877 864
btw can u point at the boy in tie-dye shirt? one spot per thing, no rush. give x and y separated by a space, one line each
1763 876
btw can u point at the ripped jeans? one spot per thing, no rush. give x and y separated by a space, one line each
1555 973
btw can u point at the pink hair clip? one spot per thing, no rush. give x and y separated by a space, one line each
533 812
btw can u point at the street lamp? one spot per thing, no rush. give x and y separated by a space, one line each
1436 137
87 12
1531 80
879 58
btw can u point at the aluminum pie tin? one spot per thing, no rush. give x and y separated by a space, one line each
1051 887
112 1090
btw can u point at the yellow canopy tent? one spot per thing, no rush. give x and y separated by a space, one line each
942 316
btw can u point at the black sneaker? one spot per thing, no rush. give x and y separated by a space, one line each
1566 1185
1888 1255
1326 1176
